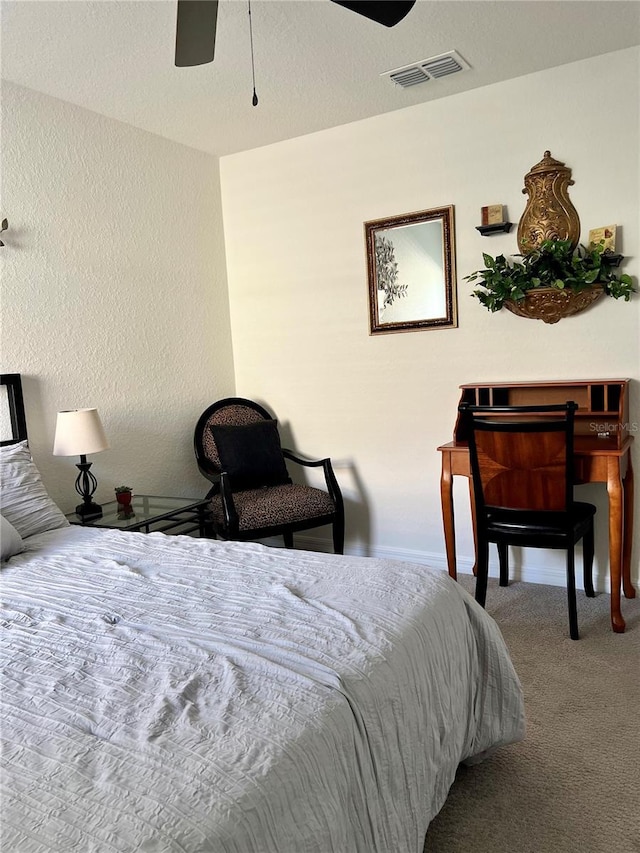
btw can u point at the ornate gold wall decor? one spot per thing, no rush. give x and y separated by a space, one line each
550 305
549 214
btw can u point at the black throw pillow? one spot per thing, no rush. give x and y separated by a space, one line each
251 454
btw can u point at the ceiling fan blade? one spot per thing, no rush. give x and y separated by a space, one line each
387 12
196 32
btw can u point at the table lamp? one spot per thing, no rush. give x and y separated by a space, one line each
78 433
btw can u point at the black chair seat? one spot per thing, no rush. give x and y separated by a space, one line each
530 528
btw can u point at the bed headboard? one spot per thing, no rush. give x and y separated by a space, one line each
13 424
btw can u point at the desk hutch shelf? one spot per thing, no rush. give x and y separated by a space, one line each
603 404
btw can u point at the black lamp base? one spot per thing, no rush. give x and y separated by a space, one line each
89 511
86 485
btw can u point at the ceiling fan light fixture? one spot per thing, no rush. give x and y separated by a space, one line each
197 20
195 32
385 12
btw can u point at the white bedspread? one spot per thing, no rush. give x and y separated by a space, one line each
166 694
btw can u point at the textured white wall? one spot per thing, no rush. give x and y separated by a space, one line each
293 218
114 286
113 290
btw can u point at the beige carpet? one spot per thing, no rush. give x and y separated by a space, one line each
573 785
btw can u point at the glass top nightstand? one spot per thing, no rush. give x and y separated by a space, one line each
153 514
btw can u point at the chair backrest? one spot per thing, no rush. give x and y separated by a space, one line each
232 411
13 424
521 456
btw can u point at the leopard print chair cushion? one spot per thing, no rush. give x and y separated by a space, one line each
275 505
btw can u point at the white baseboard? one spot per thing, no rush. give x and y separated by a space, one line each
529 574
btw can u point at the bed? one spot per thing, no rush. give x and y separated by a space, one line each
166 694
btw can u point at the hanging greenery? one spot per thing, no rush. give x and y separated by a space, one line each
554 264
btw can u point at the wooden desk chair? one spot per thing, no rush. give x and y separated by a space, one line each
522 469
238 450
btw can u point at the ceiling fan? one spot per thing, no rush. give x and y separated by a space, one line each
197 19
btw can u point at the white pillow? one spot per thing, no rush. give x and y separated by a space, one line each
10 540
24 501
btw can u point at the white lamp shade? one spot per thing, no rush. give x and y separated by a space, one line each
78 433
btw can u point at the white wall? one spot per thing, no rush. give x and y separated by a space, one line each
293 218
113 290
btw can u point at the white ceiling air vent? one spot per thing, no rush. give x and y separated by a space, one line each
428 69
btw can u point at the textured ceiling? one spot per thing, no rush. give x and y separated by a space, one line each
317 64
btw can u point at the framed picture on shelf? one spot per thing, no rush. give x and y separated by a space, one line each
605 235
411 271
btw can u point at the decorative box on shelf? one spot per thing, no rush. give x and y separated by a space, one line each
493 220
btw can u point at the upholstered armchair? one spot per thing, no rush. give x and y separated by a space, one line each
237 448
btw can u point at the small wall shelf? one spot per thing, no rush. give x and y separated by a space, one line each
487 230
612 260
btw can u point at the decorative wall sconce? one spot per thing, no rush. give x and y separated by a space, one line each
549 214
555 277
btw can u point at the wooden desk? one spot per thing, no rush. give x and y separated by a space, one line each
597 460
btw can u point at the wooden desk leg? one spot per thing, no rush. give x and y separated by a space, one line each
446 497
627 586
616 540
